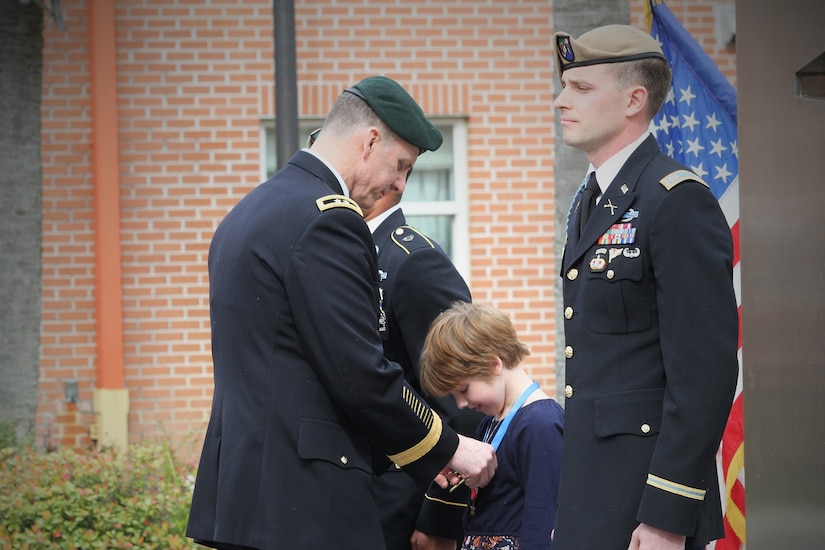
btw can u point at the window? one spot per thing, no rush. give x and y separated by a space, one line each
435 199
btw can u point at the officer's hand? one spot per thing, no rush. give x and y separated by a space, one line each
423 541
474 462
646 537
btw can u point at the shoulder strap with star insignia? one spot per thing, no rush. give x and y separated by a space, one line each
338 201
407 237
675 178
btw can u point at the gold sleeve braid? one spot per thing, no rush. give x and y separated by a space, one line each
430 419
675 488
445 502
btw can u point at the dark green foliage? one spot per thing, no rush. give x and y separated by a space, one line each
72 500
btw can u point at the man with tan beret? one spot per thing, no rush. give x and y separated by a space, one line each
305 407
651 322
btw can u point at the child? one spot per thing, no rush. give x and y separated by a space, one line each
472 352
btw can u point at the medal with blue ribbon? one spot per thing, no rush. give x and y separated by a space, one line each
497 432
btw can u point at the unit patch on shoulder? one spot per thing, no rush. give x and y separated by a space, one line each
675 178
338 201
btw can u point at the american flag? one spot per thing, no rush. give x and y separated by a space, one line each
697 126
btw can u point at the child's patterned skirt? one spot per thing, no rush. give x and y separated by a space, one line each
490 542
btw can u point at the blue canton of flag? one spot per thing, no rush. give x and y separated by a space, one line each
697 123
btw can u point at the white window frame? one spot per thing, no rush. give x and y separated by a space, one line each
459 207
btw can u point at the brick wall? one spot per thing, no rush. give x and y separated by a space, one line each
68 325
194 80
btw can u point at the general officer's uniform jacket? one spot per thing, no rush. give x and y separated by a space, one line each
303 396
417 282
651 335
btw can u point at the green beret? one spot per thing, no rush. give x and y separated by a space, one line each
399 111
608 44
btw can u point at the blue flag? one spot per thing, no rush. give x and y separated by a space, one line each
697 123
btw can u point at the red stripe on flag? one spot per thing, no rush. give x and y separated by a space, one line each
733 466
739 310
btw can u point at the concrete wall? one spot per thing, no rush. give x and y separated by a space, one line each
782 197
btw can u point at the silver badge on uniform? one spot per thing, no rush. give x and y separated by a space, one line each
630 215
382 315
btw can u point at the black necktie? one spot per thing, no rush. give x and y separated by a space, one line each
588 200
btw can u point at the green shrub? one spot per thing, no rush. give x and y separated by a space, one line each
85 500
7 436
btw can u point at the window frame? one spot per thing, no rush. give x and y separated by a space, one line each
458 208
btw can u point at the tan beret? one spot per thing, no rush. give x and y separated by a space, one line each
608 44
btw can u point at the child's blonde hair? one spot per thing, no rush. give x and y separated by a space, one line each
464 342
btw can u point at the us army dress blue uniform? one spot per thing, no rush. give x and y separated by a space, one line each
303 395
651 332
418 282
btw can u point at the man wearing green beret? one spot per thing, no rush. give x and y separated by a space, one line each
305 407
651 322
418 281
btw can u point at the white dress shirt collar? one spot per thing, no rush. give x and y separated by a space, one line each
609 169
377 220
344 188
